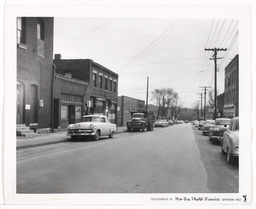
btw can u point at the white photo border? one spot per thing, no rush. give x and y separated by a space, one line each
241 13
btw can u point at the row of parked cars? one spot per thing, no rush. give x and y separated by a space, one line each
224 131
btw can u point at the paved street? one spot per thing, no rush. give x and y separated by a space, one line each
175 159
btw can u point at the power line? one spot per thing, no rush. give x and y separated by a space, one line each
153 44
91 31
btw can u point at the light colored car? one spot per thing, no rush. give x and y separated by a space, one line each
230 142
161 123
92 126
216 132
200 125
170 122
206 127
196 123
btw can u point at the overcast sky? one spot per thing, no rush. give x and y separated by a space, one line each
170 51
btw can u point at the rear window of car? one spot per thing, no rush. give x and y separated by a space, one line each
222 122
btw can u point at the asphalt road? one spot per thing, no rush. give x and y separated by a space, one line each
176 159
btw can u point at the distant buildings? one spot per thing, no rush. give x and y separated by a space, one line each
126 106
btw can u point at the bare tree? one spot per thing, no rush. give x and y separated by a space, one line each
165 98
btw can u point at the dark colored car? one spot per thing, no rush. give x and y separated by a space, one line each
216 132
206 127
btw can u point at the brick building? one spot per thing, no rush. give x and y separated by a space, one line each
69 100
126 106
100 96
231 98
220 105
34 70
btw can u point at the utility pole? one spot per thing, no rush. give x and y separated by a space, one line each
147 97
205 88
215 52
201 104
198 111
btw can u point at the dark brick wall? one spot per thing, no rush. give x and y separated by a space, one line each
37 70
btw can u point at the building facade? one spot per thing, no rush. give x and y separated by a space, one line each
100 95
220 105
69 101
127 106
34 70
231 98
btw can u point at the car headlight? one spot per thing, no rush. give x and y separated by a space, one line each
69 127
91 126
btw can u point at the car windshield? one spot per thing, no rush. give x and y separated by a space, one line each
91 119
137 115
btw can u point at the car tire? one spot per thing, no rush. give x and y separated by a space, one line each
96 136
111 134
230 158
210 136
128 129
213 141
73 137
143 128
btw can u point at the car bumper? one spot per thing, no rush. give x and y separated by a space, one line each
217 138
81 133
234 153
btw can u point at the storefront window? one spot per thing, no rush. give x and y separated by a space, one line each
78 112
64 112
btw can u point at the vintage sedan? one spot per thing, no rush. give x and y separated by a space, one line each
216 132
92 126
206 127
230 142
200 125
161 123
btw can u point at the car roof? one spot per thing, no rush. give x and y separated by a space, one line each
223 119
94 116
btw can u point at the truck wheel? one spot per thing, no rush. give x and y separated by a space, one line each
73 137
143 128
128 129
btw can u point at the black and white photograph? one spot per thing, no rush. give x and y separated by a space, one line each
121 104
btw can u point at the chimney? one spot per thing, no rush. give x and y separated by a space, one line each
57 57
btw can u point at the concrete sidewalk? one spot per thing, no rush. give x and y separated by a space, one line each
49 138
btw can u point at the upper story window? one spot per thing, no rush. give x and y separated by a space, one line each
115 87
100 81
94 80
21 30
106 83
40 30
110 85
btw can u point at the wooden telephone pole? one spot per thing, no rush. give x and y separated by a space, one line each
205 88
215 52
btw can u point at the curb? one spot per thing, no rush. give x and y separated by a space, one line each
20 147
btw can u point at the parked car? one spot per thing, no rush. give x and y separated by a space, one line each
196 123
170 122
92 126
206 127
201 123
161 123
216 132
230 142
